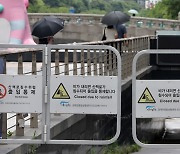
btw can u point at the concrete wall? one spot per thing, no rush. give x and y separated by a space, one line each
80 33
87 33
85 27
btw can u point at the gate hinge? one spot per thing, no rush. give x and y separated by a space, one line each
46 55
45 94
45 133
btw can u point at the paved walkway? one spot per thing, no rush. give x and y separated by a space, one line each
157 151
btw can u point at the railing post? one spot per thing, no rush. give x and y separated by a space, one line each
4 125
118 47
88 62
57 70
114 60
19 130
100 63
82 62
57 62
75 62
66 62
110 63
105 62
34 116
95 62
4 115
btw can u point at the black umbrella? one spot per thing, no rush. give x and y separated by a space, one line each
115 17
47 26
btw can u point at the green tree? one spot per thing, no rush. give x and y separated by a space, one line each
54 3
78 5
37 6
173 8
94 11
82 6
117 6
167 9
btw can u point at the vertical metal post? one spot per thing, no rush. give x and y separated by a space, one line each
19 130
122 67
34 116
110 63
88 62
75 62
95 62
114 64
46 83
82 62
45 101
57 71
57 62
66 62
118 47
100 63
105 62
3 123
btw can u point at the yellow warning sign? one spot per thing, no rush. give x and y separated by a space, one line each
61 93
146 97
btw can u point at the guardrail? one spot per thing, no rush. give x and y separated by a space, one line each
128 48
83 63
155 23
96 19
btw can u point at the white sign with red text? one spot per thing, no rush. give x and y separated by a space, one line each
20 93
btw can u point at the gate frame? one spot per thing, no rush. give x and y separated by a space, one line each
46 63
30 141
84 142
158 51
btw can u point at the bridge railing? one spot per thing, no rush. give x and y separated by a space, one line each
128 48
96 19
155 23
73 62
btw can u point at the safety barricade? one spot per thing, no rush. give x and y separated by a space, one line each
153 98
93 87
22 93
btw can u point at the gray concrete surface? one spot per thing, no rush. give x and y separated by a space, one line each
157 151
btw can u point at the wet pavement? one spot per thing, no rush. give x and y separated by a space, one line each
157 151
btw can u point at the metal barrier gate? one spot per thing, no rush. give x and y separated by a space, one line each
21 94
55 94
153 98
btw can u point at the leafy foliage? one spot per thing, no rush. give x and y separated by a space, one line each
173 7
82 6
165 9
121 149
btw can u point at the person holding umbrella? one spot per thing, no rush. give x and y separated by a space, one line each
46 28
117 18
121 31
46 40
133 12
109 33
